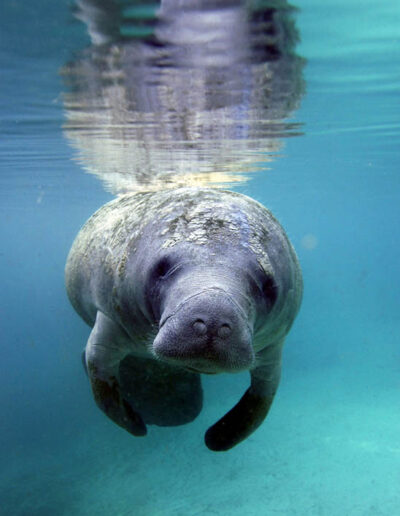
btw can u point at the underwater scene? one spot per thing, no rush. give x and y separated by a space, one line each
199 269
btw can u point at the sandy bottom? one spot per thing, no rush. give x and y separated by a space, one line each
329 447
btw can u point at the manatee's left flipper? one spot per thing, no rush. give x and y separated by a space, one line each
105 349
248 414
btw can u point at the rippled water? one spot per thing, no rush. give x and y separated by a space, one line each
172 97
297 107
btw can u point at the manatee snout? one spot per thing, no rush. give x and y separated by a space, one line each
207 333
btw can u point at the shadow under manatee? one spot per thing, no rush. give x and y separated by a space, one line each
182 93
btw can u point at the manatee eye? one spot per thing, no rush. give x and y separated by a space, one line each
163 267
270 290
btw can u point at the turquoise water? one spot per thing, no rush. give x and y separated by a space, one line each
330 445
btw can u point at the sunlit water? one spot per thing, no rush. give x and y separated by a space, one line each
330 445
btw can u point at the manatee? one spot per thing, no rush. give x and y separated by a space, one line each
176 284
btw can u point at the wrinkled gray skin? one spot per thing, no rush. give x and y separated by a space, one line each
192 280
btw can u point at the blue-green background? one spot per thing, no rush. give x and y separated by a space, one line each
331 444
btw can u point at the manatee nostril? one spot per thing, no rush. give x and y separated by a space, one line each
224 331
199 327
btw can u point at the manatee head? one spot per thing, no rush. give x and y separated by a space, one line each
208 310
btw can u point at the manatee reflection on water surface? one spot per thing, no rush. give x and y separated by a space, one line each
182 93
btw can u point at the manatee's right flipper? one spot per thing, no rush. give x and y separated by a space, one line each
248 414
105 349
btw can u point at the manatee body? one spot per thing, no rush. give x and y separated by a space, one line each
179 283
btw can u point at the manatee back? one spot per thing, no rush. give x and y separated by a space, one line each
199 218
